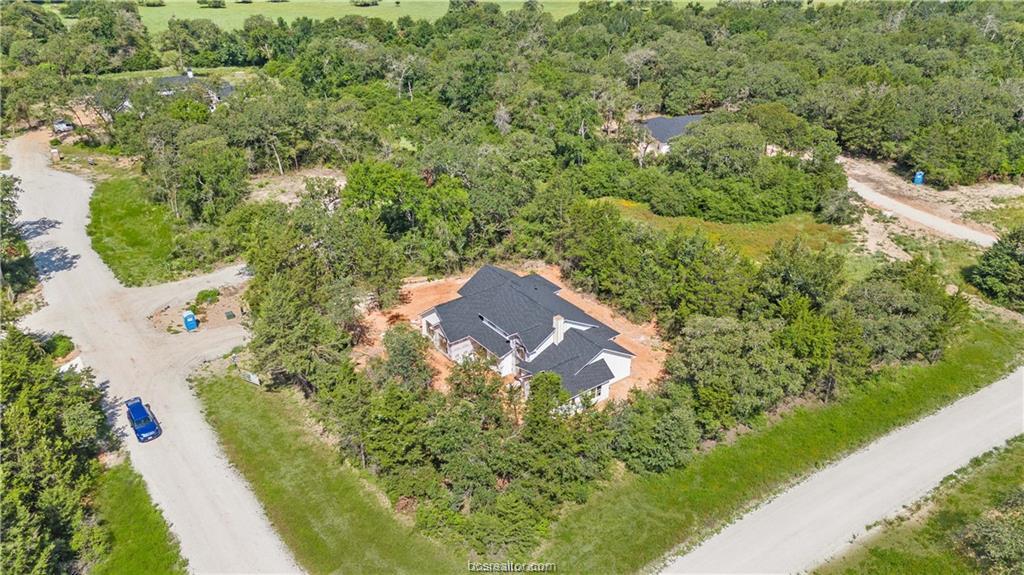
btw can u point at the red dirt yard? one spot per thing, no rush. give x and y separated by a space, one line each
420 294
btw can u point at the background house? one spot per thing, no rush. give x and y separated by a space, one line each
664 128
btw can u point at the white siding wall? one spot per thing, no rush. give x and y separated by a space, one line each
593 396
460 350
507 364
620 365
429 321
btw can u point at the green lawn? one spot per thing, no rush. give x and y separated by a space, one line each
5 162
929 545
140 540
133 235
636 520
753 239
232 17
320 507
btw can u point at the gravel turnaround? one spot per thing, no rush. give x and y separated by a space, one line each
221 526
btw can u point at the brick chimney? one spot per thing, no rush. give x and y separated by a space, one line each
558 322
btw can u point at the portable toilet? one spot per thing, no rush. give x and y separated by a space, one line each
919 178
189 319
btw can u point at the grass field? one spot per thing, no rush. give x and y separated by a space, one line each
232 74
232 17
329 519
635 521
140 540
952 257
1009 214
929 545
753 240
134 236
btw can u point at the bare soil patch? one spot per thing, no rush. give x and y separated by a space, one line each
874 234
287 188
212 316
420 294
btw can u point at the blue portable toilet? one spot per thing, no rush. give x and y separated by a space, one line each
189 319
919 178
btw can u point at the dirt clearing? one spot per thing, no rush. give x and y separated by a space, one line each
287 188
420 294
210 316
953 204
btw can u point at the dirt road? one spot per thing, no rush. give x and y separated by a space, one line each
882 192
220 524
817 518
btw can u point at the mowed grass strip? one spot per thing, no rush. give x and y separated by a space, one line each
752 240
319 506
133 235
140 539
637 520
929 546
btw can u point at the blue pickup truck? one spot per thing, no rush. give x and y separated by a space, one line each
142 421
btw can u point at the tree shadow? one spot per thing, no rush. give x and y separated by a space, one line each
36 228
54 260
112 406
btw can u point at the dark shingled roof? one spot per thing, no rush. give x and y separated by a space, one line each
525 307
664 128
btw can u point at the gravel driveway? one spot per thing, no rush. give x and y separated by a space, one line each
874 191
219 522
816 519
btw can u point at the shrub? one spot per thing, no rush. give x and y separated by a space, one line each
1000 270
735 369
996 540
905 311
59 345
654 432
840 207
207 297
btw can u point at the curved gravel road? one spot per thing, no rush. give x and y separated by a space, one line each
919 216
816 519
219 522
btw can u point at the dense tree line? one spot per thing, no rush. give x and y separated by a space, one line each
746 335
54 428
478 463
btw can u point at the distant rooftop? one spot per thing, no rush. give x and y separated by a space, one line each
664 128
